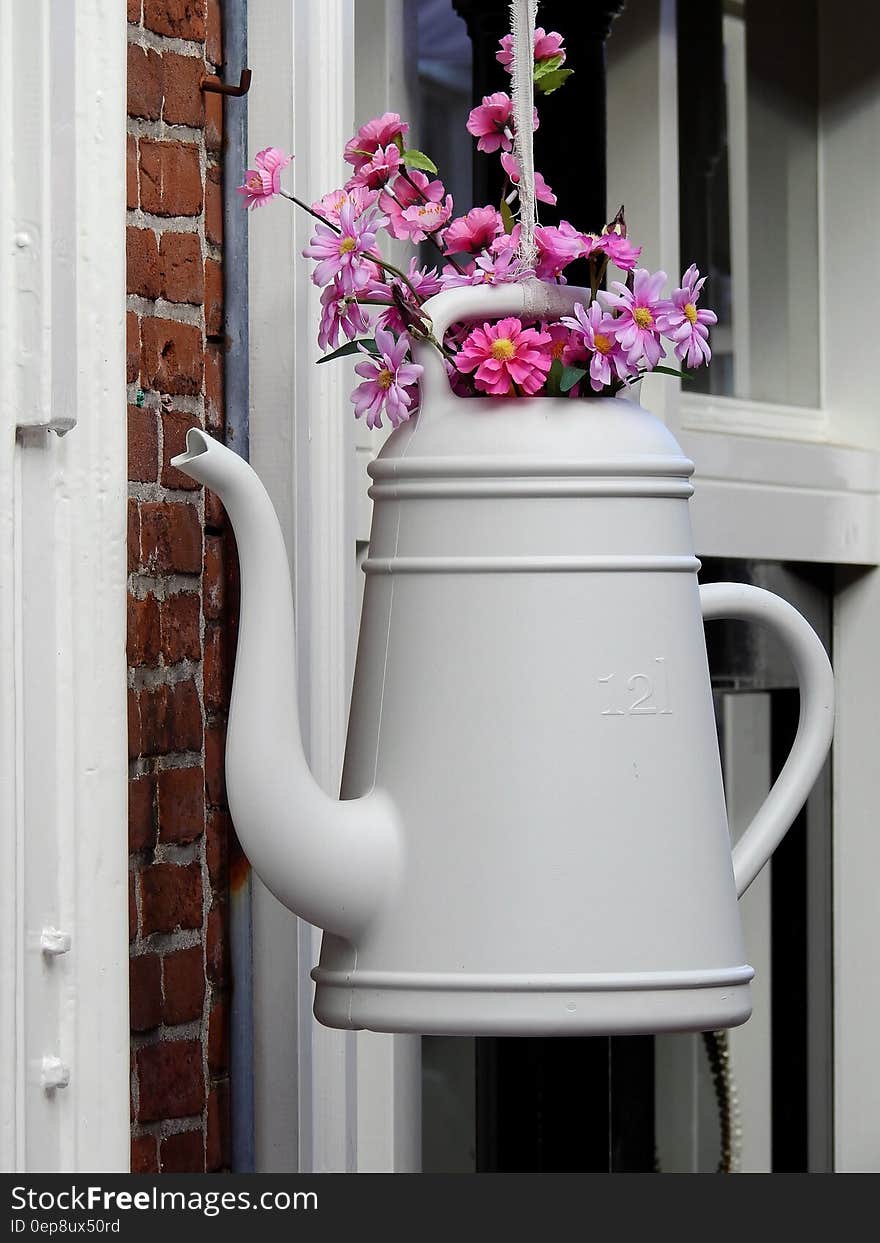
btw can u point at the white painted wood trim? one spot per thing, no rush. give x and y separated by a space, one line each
737 417
63 755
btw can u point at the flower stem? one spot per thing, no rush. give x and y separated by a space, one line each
330 225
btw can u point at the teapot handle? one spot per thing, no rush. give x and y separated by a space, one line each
815 724
530 297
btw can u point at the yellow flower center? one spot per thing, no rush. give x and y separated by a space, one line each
254 182
557 349
503 349
690 312
384 379
347 245
643 317
602 343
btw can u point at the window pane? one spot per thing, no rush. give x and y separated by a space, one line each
749 190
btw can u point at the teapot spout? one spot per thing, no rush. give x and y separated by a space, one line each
331 862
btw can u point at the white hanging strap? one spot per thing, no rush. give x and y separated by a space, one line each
523 14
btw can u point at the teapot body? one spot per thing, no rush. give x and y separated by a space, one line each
532 689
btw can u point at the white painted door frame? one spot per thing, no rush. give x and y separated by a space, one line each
63 749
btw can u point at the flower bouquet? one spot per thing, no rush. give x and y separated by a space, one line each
609 342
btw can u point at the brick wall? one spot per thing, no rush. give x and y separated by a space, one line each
178 602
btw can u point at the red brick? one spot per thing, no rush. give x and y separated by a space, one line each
134 725
170 178
180 258
217 829
134 535
145 992
213 577
134 10
142 812
132 908
213 298
217 1140
215 681
214 33
216 943
171 1080
214 205
218 1039
142 262
215 514
143 444
171 897
183 19
183 977
183 1153
170 719
143 1147
179 622
171 537
175 425
143 631
215 765
144 82
214 419
181 804
184 98
172 356
131 172
132 347
213 121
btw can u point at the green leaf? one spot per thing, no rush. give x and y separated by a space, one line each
350 347
417 159
554 378
570 377
550 65
506 216
679 375
398 142
552 81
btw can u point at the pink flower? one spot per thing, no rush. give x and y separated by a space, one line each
510 164
263 182
546 47
332 204
506 354
489 269
619 250
341 255
378 170
641 311
426 283
558 246
490 122
425 218
474 232
388 382
408 195
598 334
374 134
685 324
339 311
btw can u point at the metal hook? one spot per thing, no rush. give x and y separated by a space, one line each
223 88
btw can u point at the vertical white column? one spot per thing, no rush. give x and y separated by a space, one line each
63 783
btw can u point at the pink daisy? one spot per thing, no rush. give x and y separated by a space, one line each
598 333
388 382
263 182
641 311
339 311
376 133
426 283
686 324
506 354
488 269
510 164
341 255
474 232
546 47
408 195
